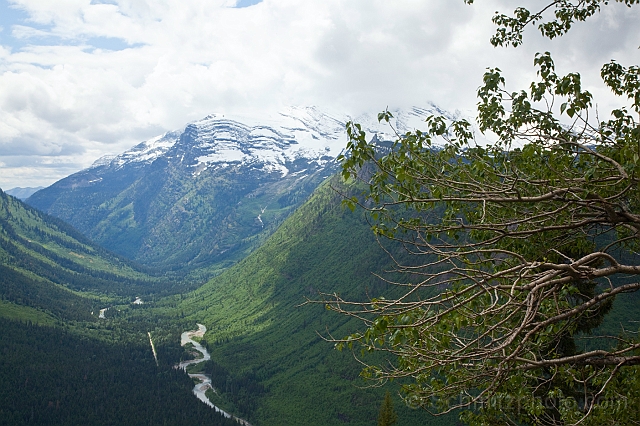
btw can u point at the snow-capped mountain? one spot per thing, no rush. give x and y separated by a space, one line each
271 142
207 193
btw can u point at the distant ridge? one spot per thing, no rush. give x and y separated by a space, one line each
23 193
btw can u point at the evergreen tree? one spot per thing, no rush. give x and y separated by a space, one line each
387 415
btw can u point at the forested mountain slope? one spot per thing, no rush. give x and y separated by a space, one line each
269 363
48 266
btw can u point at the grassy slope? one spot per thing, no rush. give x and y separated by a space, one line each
22 313
44 236
258 330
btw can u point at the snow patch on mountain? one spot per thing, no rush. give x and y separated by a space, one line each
271 142
105 160
145 152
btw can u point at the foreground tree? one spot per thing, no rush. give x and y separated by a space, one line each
524 244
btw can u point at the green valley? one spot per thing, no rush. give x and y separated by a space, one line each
269 361
269 364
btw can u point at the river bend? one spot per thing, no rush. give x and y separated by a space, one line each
204 381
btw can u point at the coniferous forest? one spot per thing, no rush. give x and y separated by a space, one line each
49 376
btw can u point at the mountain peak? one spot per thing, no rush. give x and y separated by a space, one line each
270 141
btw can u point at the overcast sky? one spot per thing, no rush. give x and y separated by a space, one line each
83 78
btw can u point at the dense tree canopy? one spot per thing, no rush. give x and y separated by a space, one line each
518 247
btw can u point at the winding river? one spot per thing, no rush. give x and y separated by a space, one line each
204 384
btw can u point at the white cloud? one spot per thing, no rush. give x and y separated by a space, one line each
176 61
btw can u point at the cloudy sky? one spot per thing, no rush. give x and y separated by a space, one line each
83 78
